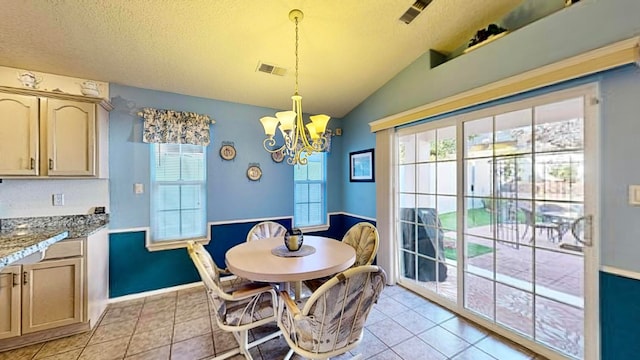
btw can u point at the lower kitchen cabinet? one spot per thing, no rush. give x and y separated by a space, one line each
64 291
51 294
10 299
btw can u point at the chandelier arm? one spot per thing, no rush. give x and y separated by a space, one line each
269 144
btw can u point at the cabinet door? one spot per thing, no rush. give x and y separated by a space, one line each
18 135
10 302
71 138
51 294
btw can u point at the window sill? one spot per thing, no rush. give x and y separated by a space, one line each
315 228
172 245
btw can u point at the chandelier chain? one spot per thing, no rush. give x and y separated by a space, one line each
296 56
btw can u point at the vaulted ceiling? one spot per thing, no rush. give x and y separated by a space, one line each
212 49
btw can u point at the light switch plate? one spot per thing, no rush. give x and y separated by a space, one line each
634 195
138 188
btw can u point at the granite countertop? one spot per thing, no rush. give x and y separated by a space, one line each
21 237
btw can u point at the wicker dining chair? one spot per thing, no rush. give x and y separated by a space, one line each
266 229
332 320
239 304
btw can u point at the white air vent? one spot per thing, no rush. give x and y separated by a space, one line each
414 11
271 69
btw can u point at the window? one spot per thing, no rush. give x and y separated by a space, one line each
310 184
178 192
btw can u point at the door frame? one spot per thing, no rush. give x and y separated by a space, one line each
592 150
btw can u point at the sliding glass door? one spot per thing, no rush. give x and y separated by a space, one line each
492 217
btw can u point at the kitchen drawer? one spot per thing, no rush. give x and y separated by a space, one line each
64 249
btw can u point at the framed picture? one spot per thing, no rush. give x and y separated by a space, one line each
361 166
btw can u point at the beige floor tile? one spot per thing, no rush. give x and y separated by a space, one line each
473 353
167 295
161 353
413 346
150 322
63 345
23 353
191 290
469 332
389 332
502 349
109 350
224 341
186 313
192 328
444 341
69 355
112 331
194 348
158 306
143 341
192 299
126 303
124 313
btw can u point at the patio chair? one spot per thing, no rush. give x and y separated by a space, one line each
553 230
238 304
266 229
331 321
363 237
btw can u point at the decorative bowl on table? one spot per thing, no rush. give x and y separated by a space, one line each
293 239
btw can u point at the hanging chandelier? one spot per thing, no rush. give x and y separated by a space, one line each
300 140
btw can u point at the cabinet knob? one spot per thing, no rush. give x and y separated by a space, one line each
16 279
32 164
50 164
24 278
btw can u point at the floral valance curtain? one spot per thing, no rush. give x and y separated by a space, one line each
175 127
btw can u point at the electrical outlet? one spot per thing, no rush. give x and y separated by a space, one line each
138 188
58 199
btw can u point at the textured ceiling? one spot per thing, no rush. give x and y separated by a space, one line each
211 49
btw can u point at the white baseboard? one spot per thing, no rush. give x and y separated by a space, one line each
154 292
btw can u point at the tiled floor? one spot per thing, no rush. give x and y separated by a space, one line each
178 325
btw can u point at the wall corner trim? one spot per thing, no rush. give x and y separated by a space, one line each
608 57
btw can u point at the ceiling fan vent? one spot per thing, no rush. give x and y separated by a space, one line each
414 11
271 69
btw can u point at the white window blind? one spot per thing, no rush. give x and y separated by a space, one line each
178 192
310 204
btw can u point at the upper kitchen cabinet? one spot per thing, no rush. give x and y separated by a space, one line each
53 135
70 137
19 146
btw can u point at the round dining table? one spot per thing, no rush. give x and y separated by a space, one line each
255 261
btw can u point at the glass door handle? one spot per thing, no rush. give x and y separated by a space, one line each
587 236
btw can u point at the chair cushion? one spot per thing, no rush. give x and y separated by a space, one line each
363 239
248 310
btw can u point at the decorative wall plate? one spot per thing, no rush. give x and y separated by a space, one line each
277 156
254 173
227 152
